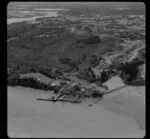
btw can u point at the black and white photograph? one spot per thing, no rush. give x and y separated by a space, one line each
76 69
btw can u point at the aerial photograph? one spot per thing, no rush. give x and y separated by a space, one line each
76 70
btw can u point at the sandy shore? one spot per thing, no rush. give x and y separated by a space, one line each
112 117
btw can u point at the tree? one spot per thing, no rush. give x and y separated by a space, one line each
104 76
83 57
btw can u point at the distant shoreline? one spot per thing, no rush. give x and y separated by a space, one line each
48 13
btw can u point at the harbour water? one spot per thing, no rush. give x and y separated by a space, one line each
28 117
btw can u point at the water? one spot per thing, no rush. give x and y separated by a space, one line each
47 9
14 20
48 12
28 117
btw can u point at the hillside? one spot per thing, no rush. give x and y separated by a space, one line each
96 46
29 49
76 66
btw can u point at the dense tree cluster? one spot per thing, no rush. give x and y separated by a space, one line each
15 80
104 76
129 73
28 82
131 69
90 40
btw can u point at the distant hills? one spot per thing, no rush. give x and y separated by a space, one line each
134 7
